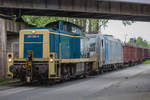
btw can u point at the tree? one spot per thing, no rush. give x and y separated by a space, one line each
37 20
127 22
102 23
141 42
89 25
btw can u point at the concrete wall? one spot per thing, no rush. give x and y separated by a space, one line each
13 40
3 44
9 33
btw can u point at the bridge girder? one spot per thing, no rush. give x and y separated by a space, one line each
77 8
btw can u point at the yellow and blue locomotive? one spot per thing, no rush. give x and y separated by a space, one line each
57 51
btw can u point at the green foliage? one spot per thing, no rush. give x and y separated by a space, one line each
94 24
36 20
104 23
141 42
147 61
40 21
149 47
126 22
6 81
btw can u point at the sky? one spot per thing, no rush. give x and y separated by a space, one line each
118 30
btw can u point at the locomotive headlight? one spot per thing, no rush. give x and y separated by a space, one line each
9 60
33 31
51 60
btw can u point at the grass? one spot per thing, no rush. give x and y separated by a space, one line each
147 61
5 81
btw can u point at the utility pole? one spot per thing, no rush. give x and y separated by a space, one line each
125 37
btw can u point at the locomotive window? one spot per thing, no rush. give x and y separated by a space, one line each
70 28
102 43
67 28
79 31
73 29
53 25
92 44
92 47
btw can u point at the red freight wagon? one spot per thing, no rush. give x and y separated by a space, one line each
133 54
143 57
128 54
148 53
145 53
134 58
140 54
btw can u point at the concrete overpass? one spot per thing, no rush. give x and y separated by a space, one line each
109 9
129 1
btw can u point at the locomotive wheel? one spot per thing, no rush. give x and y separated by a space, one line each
66 75
22 79
85 75
43 79
101 71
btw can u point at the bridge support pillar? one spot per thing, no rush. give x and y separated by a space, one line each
3 43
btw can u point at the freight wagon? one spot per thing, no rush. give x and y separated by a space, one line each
134 54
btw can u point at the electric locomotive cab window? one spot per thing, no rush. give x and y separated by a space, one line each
92 45
102 43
